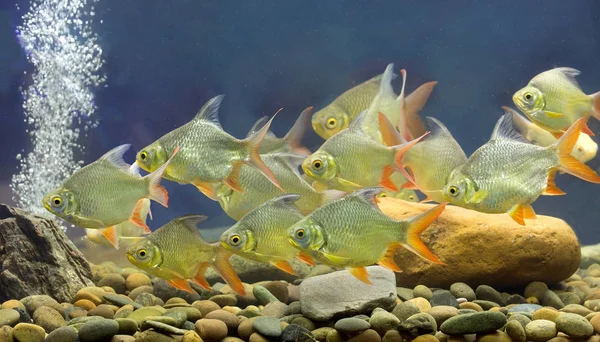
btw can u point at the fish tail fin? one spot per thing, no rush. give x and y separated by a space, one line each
568 163
400 150
413 104
596 105
111 235
417 225
156 191
253 142
297 132
227 272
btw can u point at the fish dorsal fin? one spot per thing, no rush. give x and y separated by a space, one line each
291 160
385 86
380 76
210 111
115 156
356 124
504 130
570 74
191 222
436 127
287 201
368 195
258 125
134 169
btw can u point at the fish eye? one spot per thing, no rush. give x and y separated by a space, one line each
411 197
317 164
383 194
580 149
235 240
528 96
299 233
453 190
56 201
331 123
143 155
142 253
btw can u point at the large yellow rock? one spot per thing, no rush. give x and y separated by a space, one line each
489 249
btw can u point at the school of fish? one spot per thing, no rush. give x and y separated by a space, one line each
376 145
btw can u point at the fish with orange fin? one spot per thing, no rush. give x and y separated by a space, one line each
261 234
106 193
208 154
177 252
508 173
291 142
351 160
352 232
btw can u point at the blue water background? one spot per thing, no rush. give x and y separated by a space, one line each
164 59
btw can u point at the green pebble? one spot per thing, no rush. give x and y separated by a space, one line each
516 331
405 293
405 310
351 325
140 315
474 323
382 321
422 291
98 330
486 304
62 334
179 316
305 322
574 325
162 327
127 326
192 314
263 296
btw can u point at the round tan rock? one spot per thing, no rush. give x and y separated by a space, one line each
11 304
421 303
498 336
205 306
371 335
136 280
546 313
86 294
29 332
211 330
474 246
245 329
85 304
426 338
230 319
596 323
540 330
470 305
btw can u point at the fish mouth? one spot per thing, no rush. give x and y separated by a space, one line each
131 258
517 101
47 206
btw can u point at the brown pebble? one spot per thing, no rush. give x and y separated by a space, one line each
205 306
498 336
139 290
176 300
232 339
85 304
230 319
224 300
11 304
392 336
83 294
596 323
48 318
256 337
245 328
470 305
136 280
421 303
191 336
114 280
279 289
371 335
102 310
79 312
122 338
211 329
6 334
546 313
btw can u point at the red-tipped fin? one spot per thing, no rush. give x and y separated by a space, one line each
181 284
417 225
386 181
551 188
206 188
413 104
200 279
596 105
388 259
111 235
297 132
569 164
138 216
307 259
254 159
284 266
157 192
233 179
361 274
409 185
391 137
519 212
226 271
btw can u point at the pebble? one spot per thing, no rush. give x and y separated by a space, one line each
62 334
27 332
443 297
127 326
232 339
525 308
320 334
296 333
31 303
470 306
102 310
85 304
422 291
392 336
224 300
205 306
161 319
165 291
276 309
569 298
516 331
485 292
595 321
474 323
540 330
6 334
279 289
263 296
442 312
334 336
98 330
551 299
418 324
256 337
139 290
245 328
140 314
382 321
136 280
124 338
486 304
228 318
576 309
163 327
547 313
516 299
191 336
524 320
425 338
366 336
421 303
405 310
114 280
405 293
351 324
267 326
295 308
48 318
9 317
85 293
179 317
574 325
305 322
11 304
497 336
535 289
153 336
191 313
462 290
146 299
120 300
124 311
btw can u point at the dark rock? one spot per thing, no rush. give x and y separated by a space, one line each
98 330
279 289
551 299
351 325
63 334
443 297
296 333
38 258
474 323
485 292
23 316
516 299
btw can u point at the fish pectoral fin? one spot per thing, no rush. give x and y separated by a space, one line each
347 185
410 185
181 284
478 196
226 271
335 259
319 187
557 135
137 216
586 129
521 211
361 274
110 234
553 115
388 259
233 179
284 266
307 259
386 181
551 188
199 277
206 188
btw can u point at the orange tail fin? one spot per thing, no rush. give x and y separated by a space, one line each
569 164
227 272
253 143
110 234
417 225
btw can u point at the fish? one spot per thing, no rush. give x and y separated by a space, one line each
352 232
553 100
176 252
208 154
125 232
431 161
508 173
338 115
351 160
404 194
291 142
585 148
261 234
106 193
259 189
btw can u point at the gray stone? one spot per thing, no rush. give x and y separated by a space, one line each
9 317
416 325
62 334
516 299
267 326
405 293
474 323
540 330
551 299
485 292
462 290
405 310
276 309
340 294
163 327
179 316
382 321
525 308
263 296
574 325
296 333
146 299
351 325
443 297
98 330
